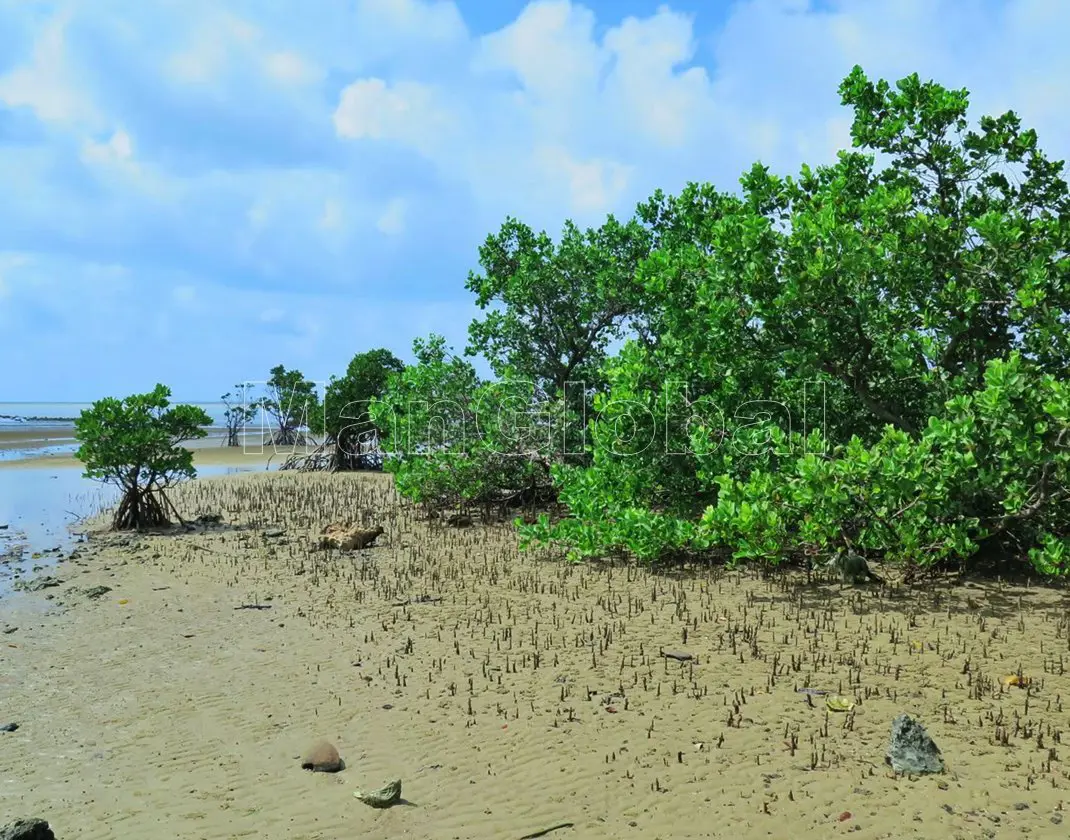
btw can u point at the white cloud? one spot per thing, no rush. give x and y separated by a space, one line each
434 21
371 109
289 67
549 47
392 220
225 42
659 102
215 43
114 163
593 186
119 148
560 112
46 84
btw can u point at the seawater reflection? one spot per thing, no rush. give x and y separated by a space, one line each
38 504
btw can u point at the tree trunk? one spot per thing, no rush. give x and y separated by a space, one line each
140 508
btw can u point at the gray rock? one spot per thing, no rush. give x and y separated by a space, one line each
389 794
37 584
33 829
911 750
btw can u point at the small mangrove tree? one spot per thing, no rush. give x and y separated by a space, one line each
136 444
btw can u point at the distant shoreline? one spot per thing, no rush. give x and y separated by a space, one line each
229 456
33 418
54 448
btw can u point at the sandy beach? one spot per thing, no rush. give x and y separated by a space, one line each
509 692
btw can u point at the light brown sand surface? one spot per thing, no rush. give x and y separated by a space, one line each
532 694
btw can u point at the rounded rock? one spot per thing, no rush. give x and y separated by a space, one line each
322 758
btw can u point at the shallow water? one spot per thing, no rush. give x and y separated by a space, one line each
39 505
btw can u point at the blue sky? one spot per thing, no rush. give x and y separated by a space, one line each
196 191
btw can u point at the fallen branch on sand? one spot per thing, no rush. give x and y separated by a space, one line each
254 607
423 599
545 831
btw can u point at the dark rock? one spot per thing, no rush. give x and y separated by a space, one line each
459 520
8 727
33 829
911 750
323 758
37 584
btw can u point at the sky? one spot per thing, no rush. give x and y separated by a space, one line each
193 191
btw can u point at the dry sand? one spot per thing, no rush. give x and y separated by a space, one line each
532 694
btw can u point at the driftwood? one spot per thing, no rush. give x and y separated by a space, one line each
546 831
422 599
329 457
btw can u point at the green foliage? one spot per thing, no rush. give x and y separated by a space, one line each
863 354
240 412
559 306
458 441
135 444
293 404
553 312
345 419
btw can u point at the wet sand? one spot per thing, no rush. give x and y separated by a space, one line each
17 436
43 496
509 692
32 449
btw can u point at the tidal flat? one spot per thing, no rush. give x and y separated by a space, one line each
169 683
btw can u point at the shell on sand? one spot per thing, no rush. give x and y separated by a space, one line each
349 538
322 758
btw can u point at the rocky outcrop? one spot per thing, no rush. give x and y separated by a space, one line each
32 829
911 750
348 538
37 584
